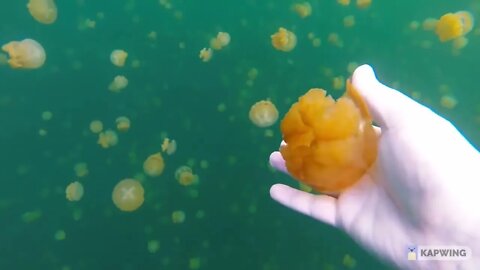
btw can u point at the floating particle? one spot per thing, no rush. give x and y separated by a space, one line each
206 54
118 57
96 126
263 113
178 216
128 195
303 9
43 11
169 146
74 191
123 123
81 169
118 83
25 54
154 165
108 138
284 40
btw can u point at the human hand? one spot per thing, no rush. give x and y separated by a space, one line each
422 190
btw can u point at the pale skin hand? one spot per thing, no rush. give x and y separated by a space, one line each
424 188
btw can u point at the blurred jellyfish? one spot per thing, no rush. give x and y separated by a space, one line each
302 9
74 191
118 57
118 83
108 138
96 126
363 3
178 216
154 165
206 54
169 146
220 41
128 195
81 169
344 2
43 11
453 25
284 40
123 123
263 113
185 176
25 54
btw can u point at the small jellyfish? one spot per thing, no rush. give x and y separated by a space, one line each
118 57
81 169
363 3
178 216
263 113
96 126
349 21
220 41
206 54
284 40
74 191
123 123
25 54
302 9
185 176
453 25
154 165
47 115
169 146
118 84
108 138
43 11
448 101
344 2
128 195
429 24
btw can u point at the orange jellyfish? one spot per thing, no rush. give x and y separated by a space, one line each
263 113
118 83
154 165
123 123
454 25
329 144
205 54
284 40
43 11
26 54
302 9
128 195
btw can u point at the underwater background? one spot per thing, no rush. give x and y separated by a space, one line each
230 222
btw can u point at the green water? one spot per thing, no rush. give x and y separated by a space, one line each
231 222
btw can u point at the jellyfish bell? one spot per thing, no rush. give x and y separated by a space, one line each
154 165
128 195
74 191
263 113
43 11
25 54
284 40
118 57
467 21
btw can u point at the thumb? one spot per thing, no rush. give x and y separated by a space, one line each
389 108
